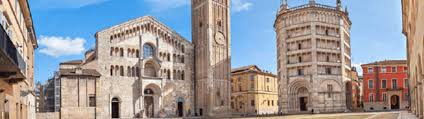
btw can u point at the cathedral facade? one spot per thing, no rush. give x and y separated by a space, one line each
314 58
144 69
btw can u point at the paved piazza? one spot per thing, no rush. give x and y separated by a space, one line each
367 115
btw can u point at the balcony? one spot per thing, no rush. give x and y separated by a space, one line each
12 65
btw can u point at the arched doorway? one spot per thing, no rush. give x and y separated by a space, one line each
149 106
394 102
348 94
303 96
115 108
180 107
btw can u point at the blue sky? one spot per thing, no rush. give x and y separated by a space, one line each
66 28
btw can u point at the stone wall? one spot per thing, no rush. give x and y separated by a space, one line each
78 113
48 115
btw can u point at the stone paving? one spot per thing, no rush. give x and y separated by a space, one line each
364 115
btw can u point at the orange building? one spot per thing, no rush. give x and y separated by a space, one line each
385 85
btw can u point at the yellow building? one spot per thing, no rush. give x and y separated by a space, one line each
253 91
17 44
413 29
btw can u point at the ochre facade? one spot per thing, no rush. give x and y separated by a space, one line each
17 45
413 28
253 91
313 58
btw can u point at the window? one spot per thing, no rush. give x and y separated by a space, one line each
370 84
371 97
394 83
327 70
328 59
406 83
405 69
299 46
394 69
121 52
330 90
92 101
267 80
300 58
111 70
383 83
252 84
252 102
383 69
300 72
121 69
384 97
272 102
148 51
370 70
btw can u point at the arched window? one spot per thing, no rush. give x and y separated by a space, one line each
122 52
133 72
149 70
168 58
116 71
168 74
111 51
182 75
129 71
111 70
121 69
148 51
137 54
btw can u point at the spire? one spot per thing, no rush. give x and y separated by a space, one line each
284 4
312 2
346 10
339 5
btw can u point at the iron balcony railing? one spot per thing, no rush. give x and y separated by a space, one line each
7 46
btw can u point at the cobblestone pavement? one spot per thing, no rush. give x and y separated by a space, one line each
364 115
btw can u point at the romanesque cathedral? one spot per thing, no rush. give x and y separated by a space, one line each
142 68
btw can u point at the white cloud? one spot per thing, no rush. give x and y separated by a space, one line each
57 46
161 5
241 5
358 68
54 4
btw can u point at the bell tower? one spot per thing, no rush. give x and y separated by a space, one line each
211 39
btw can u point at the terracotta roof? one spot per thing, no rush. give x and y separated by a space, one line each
72 62
387 62
85 72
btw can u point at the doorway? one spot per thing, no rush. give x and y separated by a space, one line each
149 106
115 108
394 102
303 102
180 109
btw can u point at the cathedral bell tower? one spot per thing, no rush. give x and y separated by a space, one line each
211 39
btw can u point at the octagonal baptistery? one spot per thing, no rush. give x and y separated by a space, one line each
314 59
